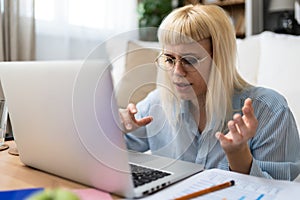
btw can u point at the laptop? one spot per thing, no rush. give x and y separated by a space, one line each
65 122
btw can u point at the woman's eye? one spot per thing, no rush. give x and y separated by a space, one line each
169 60
189 60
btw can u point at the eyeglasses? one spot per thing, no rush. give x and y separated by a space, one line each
188 63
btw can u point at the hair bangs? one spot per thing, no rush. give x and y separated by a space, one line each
186 26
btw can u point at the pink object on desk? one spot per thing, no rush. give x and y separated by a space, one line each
92 194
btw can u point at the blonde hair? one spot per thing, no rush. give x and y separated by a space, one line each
194 23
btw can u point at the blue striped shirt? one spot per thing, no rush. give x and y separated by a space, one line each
275 147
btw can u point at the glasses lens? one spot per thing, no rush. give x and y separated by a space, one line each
165 62
189 63
189 60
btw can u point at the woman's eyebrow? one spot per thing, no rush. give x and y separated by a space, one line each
170 55
183 54
190 54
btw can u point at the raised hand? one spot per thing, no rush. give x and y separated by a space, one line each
129 121
234 143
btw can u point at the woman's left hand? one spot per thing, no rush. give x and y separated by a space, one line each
241 129
234 143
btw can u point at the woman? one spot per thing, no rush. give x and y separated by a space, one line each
203 111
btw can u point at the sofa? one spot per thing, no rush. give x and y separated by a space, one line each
267 59
273 60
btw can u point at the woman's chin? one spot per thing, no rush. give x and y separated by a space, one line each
186 95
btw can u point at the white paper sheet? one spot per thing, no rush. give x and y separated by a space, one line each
246 187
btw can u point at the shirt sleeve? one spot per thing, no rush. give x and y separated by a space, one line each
137 140
275 147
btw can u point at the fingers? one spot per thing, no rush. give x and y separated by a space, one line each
237 126
128 122
243 126
246 124
128 118
144 121
125 118
241 129
132 108
233 139
248 109
134 123
249 116
222 138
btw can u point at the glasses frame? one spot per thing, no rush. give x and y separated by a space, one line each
187 67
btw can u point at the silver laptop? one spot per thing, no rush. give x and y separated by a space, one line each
65 121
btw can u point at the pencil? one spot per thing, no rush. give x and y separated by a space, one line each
206 191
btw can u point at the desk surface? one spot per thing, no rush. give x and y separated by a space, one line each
15 175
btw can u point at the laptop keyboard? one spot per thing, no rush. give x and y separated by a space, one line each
142 175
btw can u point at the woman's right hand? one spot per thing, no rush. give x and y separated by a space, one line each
130 123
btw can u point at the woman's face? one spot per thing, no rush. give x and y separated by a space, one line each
190 78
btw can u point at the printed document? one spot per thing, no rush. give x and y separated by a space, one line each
246 187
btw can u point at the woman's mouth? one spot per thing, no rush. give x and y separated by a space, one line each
182 86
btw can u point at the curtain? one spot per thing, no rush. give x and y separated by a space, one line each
17 32
17 35
71 29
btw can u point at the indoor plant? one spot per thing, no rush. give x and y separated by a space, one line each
151 13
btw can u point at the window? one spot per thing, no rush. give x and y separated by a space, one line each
70 29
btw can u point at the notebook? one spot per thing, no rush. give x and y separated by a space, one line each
66 122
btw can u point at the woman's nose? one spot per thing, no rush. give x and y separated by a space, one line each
179 69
